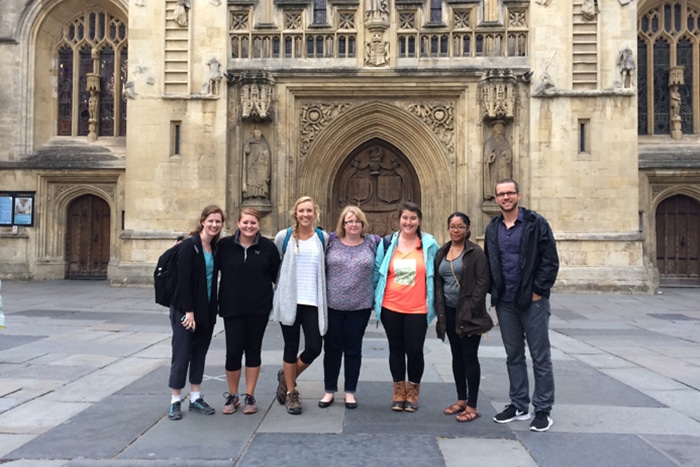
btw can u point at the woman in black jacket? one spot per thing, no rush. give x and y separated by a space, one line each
249 263
193 313
462 281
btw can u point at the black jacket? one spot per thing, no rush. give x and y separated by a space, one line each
192 283
471 317
539 261
247 278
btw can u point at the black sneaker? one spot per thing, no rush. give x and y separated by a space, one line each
281 387
202 407
542 421
511 413
175 413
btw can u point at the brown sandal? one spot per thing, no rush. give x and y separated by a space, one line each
469 414
455 408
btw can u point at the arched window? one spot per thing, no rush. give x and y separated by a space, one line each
92 66
668 36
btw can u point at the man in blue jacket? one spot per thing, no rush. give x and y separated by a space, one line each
524 263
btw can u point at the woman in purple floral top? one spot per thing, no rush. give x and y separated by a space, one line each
349 268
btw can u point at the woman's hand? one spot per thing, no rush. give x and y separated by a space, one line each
188 321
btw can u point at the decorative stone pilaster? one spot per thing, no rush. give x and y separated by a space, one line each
675 79
377 22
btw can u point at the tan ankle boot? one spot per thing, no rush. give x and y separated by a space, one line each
412 392
399 396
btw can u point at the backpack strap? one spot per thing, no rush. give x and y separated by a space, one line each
387 241
319 232
286 240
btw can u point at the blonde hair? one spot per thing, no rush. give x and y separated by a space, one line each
357 212
293 214
249 212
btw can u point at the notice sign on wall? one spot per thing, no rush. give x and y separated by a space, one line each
17 208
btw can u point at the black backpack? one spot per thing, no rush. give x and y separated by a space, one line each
165 276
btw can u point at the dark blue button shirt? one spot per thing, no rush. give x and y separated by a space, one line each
509 249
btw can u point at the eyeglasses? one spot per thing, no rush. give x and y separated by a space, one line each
506 193
352 222
457 227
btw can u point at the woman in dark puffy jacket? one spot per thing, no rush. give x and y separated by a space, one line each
462 281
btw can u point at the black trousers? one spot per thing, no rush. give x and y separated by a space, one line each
189 352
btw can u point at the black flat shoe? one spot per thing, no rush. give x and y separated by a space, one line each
351 405
323 404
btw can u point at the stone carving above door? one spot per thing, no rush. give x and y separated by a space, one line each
440 119
315 117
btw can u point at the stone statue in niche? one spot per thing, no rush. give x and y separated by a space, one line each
625 63
377 10
180 12
256 163
498 158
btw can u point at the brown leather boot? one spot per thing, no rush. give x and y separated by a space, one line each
412 392
399 396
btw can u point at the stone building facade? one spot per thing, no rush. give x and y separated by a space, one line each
120 120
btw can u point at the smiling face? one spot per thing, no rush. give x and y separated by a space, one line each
409 222
458 229
305 214
507 196
211 225
352 225
248 225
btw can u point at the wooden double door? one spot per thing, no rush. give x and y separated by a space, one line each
87 238
376 177
678 241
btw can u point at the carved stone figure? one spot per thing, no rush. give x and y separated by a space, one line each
498 159
256 161
589 9
377 10
180 12
625 63
211 87
257 89
377 52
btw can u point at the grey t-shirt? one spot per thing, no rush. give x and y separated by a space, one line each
450 287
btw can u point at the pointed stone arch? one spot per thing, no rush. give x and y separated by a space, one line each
396 126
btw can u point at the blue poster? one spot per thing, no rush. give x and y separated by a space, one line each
5 210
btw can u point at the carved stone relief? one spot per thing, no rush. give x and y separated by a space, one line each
314 118
377 53
181 12
257 89
676 79
497 93
440 119
589 9
214 76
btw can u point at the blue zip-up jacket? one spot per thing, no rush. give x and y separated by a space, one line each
381 271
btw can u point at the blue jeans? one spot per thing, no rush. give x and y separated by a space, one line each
531 325
344 336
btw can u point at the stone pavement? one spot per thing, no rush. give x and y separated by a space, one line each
84 369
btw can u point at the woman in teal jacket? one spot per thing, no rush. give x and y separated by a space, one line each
405 301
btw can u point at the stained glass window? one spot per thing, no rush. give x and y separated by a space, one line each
93 42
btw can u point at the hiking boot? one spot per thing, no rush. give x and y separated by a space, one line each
294 403
281 387
542 421
251 405
202 407
511 413
399 396
175 413
231 404
412 392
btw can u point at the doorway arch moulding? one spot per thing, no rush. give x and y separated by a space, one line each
394 125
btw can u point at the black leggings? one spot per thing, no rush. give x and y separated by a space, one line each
244 334
406 335
307 319
465 361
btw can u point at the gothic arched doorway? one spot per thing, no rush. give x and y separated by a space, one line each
677 245
377 177
87 238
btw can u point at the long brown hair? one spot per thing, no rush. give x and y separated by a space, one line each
206 212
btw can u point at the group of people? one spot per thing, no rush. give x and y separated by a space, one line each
328 285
